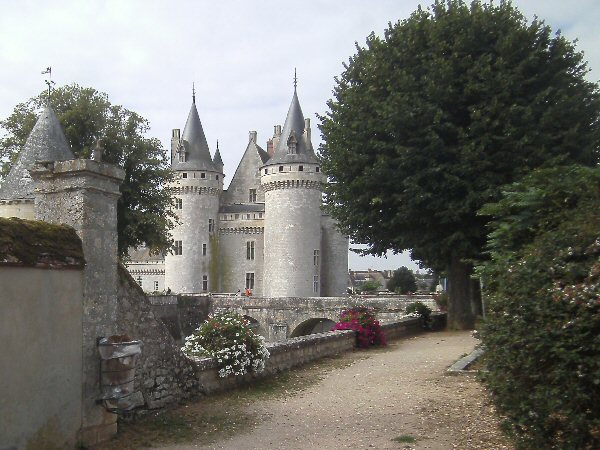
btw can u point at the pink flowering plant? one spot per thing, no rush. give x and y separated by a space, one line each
362 320
227 337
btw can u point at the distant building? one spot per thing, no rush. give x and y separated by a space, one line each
358 277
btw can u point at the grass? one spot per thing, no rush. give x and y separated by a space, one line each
405 439
219 416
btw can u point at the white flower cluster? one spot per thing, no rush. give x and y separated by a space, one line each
240 349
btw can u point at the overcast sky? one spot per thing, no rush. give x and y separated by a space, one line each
241 55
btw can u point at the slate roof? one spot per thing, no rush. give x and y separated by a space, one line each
217 160
242 208
194 142
294 122
46 142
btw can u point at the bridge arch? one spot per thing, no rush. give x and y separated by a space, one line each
312 326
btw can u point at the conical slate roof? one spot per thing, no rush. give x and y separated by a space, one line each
46 142
195 145
217 160
294 123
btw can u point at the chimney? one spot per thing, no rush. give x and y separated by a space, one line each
307 129
276 137
252 135
270 149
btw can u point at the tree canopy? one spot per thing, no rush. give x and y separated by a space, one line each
143 210
428 122
403 281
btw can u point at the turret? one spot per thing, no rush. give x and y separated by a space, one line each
292 182
191 267
46 142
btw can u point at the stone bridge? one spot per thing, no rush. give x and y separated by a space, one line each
284 317
276 318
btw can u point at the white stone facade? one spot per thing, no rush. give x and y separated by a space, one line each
266 232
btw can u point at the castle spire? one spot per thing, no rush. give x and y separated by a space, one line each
193 150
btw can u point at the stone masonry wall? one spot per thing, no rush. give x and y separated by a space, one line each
164 375
284 356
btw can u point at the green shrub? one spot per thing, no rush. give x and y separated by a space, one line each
420 309
227 337
542 288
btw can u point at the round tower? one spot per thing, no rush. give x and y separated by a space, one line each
292 182
191 266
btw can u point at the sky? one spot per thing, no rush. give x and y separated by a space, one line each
241 56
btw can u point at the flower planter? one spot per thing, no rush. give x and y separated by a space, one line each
117 373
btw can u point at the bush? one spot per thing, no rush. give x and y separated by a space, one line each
420 309
227 337
370 286
441 300
542 288
362 320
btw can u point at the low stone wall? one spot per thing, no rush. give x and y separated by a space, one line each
411 326
284 356
181 314
301 350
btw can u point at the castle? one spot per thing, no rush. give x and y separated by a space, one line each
265 234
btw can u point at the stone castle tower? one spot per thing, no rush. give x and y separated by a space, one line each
197 191
265 233
292 182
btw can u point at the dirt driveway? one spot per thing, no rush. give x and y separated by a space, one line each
393 398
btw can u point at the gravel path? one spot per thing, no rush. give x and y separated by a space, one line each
382 400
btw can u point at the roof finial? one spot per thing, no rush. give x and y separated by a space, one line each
193 93
295 79
49 81
217 144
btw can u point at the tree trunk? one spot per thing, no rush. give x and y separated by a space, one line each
464 302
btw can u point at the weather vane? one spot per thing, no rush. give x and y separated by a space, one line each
49 81
295 79
193 93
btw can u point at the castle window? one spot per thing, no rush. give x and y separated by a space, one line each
281 168
178 203
155 286
317 169
300 168
203 249
249 280
237 216
247 216
266 171
211 225
316 283
184 175
217 177
178 246
202 175
252 196
205 283
260 215
250 250
316 257
182 155
139 281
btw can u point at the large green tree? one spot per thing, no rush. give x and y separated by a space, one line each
428 122
143 210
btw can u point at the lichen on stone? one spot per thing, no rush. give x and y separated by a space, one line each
35 243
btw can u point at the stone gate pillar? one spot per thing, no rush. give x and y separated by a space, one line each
83 194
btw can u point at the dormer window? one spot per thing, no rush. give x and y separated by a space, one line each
292 142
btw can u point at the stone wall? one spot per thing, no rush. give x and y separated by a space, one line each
41 367
181 314
164 375
284 356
